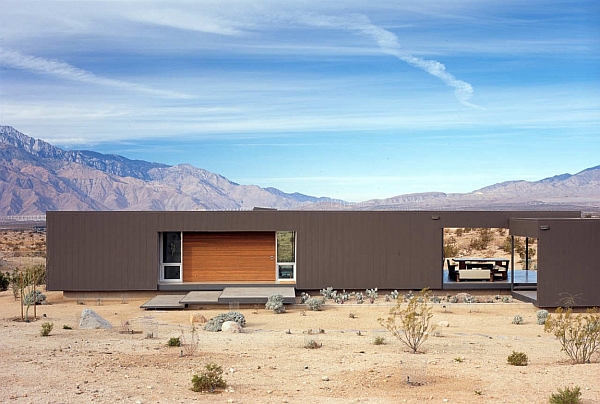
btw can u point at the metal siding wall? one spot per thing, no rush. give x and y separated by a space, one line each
114 251
569 262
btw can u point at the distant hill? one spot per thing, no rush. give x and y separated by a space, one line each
36 177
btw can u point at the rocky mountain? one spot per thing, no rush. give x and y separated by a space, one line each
36 176
580 191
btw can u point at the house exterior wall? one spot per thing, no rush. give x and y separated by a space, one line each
119 251
568 259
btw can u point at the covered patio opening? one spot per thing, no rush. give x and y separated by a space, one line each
488 259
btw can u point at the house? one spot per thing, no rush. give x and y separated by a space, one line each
166 252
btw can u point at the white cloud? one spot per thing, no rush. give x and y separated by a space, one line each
388 43
17 60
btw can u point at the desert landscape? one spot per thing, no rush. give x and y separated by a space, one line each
357 360
268 362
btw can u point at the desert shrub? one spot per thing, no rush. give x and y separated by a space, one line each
372 294
578 334
379 341
518 319
4 281
312 344
67 327
450 248
328 293
46 329
566 396
360 298
517 359
314 303
215 323
542 316
275 303
411 324
209 380
506 244
189 344
174 341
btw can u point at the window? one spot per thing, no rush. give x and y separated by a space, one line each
286 255
170 267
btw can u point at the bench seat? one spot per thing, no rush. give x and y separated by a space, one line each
474 274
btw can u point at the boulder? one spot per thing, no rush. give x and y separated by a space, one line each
90 320
232 327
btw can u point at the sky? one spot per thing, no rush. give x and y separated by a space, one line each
352 100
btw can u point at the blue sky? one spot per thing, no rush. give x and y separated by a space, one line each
356 102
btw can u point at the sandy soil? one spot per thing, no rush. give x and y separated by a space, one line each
465 363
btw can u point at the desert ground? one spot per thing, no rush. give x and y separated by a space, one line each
465 362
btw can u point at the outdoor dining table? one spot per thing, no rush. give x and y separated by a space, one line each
495 264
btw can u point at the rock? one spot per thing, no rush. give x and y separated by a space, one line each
443 324
232 327
325 378
90 320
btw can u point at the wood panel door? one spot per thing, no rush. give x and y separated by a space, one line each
229 257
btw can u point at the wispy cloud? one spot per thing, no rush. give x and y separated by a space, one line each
18 60
388 43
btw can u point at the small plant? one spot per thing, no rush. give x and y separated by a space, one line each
517 359
189 345
542 316
394 295
210 380
215 323
275 303
314 303
518 319
312 344
67 327
360 298
46 329
379 341
459 359
566 396
579 335
478 392
304 297
372 294
411 324
328 293
174 341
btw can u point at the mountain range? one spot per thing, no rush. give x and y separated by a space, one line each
36 176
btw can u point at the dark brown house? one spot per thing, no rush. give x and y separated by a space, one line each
310 250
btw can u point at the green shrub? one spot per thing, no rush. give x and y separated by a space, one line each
517 359
210 380
174 341
542 316
314 303
275 303
579 335
379 341
566 396
46 329
518 319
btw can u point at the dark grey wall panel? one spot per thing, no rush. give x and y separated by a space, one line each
118 251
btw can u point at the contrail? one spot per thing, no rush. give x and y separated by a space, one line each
64 70
388 42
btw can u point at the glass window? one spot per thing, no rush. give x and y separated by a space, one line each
171 253
172 272
286 246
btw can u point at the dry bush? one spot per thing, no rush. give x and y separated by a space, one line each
411 324
578 334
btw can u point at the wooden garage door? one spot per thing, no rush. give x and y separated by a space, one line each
229 257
